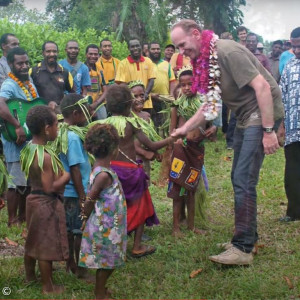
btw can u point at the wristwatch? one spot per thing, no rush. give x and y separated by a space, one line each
268 129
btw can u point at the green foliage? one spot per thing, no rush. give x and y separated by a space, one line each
32 36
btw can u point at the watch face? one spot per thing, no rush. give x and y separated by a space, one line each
268 129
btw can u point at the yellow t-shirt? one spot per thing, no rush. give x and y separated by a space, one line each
173 61
164 75
109 68
130 70
97 82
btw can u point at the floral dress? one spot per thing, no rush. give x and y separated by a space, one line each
104 238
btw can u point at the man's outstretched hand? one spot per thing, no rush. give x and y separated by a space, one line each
179 133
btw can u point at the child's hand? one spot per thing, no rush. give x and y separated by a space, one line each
179 141
158 157
149 155
210 132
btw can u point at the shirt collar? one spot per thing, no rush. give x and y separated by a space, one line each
106 60
44 67
142 59
273 58
160 61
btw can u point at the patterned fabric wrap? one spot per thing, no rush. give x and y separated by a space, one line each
186 167
104 239
140 209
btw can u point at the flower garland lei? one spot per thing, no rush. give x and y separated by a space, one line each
21 85
207 74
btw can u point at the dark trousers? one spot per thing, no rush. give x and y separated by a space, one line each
292 179
248 158
230 130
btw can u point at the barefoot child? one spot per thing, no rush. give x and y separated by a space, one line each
45 216
140 208
188 154
76 162
104 240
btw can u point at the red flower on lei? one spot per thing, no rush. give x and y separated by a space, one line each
201 64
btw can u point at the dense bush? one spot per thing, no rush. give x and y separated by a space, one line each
32 37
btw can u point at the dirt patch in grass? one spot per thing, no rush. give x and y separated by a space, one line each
7 250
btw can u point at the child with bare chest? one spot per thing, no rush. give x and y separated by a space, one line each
45 216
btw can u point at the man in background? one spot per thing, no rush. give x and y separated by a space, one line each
169 51
107 63
51 80
137 67
8 41
290 87
98 84
273 58
242 34
251 44
164 83
78 69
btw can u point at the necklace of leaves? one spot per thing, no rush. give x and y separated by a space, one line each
4 178
120 122
30 150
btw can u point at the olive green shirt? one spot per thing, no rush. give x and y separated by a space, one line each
238 68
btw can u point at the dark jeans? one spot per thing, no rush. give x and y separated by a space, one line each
230 130
224 118
292 179
248 158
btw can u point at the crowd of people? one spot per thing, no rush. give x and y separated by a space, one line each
80 181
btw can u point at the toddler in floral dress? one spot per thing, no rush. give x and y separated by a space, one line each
103 245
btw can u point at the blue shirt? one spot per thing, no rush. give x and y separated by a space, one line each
76 155
290 88
284 58
10 89
82 78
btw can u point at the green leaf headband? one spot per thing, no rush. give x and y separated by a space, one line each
80 103
134 83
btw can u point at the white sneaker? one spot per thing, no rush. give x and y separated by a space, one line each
228 245
233 256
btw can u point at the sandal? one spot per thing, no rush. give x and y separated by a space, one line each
148 250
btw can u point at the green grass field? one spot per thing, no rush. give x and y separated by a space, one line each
165 275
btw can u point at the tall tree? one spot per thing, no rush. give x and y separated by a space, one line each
145 19
16 12
59 12
218 15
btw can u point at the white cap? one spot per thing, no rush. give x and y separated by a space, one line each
260 45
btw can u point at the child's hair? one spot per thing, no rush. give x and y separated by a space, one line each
186 72
118 98
101 140
38 117
68 104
